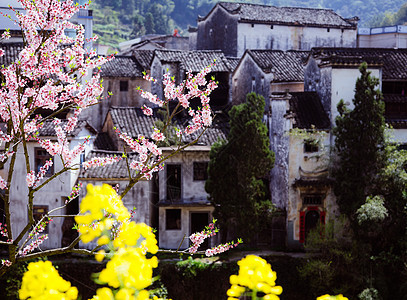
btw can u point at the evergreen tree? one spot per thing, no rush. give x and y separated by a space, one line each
359 145
237 168
149 23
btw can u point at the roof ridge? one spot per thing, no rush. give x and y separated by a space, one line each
265 5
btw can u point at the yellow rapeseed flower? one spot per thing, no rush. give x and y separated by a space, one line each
42 281
255 274
129 268
100 208
329 297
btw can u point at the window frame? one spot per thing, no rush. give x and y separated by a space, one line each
43 158
177 217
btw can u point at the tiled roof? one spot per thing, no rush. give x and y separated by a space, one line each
144 57
287 66
233 62
394 61
113 171
196 61
121 66
308 111
48 129
132 121
397 119
11 52
286 15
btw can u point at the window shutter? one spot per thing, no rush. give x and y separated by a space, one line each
302 226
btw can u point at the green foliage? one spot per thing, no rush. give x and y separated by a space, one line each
334 266
359 145
190 267
237 168
369 294
373 210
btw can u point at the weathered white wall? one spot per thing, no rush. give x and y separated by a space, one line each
53 194
193 196
279 142
309 162
399 135
191 190
171 239
281 37
343 87
284 86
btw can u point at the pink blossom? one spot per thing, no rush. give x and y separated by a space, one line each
5 35
147 110
30 178
1 52
157 135
101 161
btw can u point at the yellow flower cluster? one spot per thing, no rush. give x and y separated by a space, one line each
42 282
129 268
255 274
128 271
130 234
329 297
100 203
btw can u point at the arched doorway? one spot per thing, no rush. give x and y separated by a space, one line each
311 220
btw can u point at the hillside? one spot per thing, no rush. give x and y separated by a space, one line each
119 20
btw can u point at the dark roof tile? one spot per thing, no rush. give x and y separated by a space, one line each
11 52
286 66
121 66
144 57
286 15
308 111
196 61
393 61
117 170
48 129
132 121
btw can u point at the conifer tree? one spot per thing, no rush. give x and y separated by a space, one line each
359 145
237 168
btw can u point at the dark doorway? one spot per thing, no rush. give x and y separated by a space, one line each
311 220
173 182
69 234
198 222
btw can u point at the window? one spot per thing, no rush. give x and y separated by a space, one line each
41 157
253 84
173 182
173 219
124 85
200 170
312 200
310 146
38 212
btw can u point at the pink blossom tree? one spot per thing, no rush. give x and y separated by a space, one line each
50 74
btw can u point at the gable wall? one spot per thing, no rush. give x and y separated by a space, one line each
283 37
218 32
243 77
